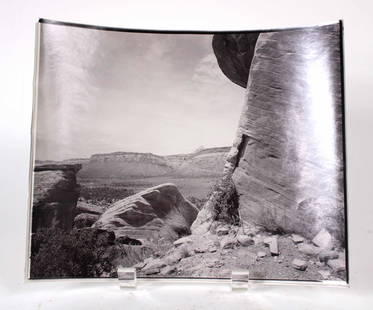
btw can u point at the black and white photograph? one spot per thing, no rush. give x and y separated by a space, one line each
188 154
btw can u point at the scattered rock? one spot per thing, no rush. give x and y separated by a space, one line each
201 249
245 240
213 249
325 255
272 243
323 240
337 264
324 273
297 238
250 229
177 255
168 270
173 258
258 240
222 230
183 240
150 271
154 266
213 262
228 243
273 247
185 251
139 265
299 264
309 249
320 264
267 240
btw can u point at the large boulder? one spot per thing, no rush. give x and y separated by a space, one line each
55 194
287 159
158 213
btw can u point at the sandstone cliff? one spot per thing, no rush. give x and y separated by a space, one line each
286 161
55 196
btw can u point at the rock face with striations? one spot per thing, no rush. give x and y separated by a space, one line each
55 196
286 161
157 213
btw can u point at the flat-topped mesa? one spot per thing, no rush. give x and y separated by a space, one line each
287 159
132 164
156 214
55 195
126 156
125 164
206 162
211 150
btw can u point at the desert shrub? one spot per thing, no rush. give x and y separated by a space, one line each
198 202
79 253
225 201
104 194
128 255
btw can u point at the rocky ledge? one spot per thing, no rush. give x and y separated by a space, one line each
55 196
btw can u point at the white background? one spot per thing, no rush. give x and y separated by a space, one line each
17 22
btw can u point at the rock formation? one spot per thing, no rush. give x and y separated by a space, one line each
286 161
156 214
234 54
55 196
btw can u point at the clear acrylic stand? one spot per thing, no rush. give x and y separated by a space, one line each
240 279
127 277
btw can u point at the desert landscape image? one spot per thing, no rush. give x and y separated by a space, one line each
188 155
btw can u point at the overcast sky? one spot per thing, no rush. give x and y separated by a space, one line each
103 91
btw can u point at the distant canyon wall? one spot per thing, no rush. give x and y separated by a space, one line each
206 162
